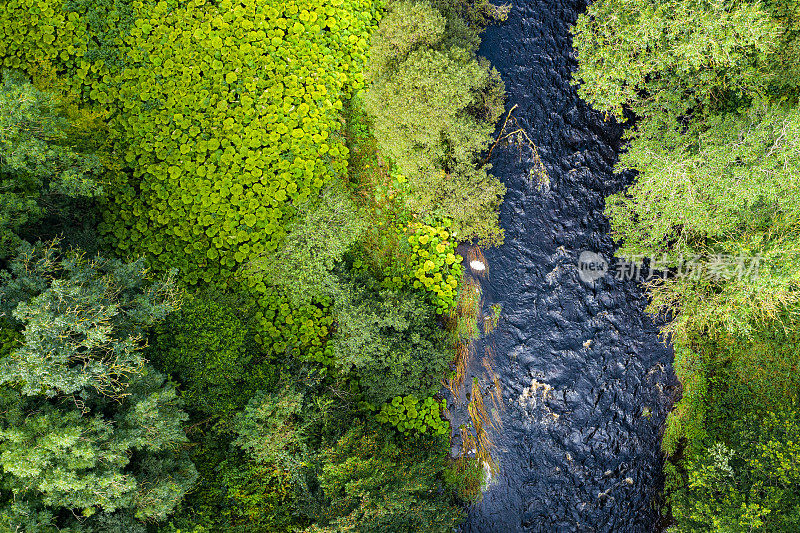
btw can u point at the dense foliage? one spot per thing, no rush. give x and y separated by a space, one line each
391 339
227 137
209 346
49 166
434 107
88 428
410 415
364 495
216 269
714 147
438 267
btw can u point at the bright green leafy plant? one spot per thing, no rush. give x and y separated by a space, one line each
435 266
219 170
410 415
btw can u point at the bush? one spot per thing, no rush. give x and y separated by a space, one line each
300 331
209 347
715 152
302 266
370 484
409 415
465 477
687 421
390 340
434 266
256 135
747 484
247 463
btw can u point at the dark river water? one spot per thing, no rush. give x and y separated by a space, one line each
586 380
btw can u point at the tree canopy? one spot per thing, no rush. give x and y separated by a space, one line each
714 95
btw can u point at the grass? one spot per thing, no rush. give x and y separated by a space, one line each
456 378
467 441
490 322
482 422
496 392
463 326
467 314
465 473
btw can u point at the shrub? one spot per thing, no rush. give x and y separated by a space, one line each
465 477
209 347
409 415
389 339
370 484
302 266
686 422
220 169
248 463
225 139
434 266
300 331
747 484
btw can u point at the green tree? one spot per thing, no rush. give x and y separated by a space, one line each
670 59
253 464
62 457
87 428
302 265
267 428
48 165
434 106
722 188
714 147
369 483
209 347
390 339
750 484
83 320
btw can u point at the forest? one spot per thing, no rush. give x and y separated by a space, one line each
229 285
708 92
231 292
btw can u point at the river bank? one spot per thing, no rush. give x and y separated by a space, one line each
586 380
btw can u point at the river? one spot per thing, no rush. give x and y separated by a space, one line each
586 380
